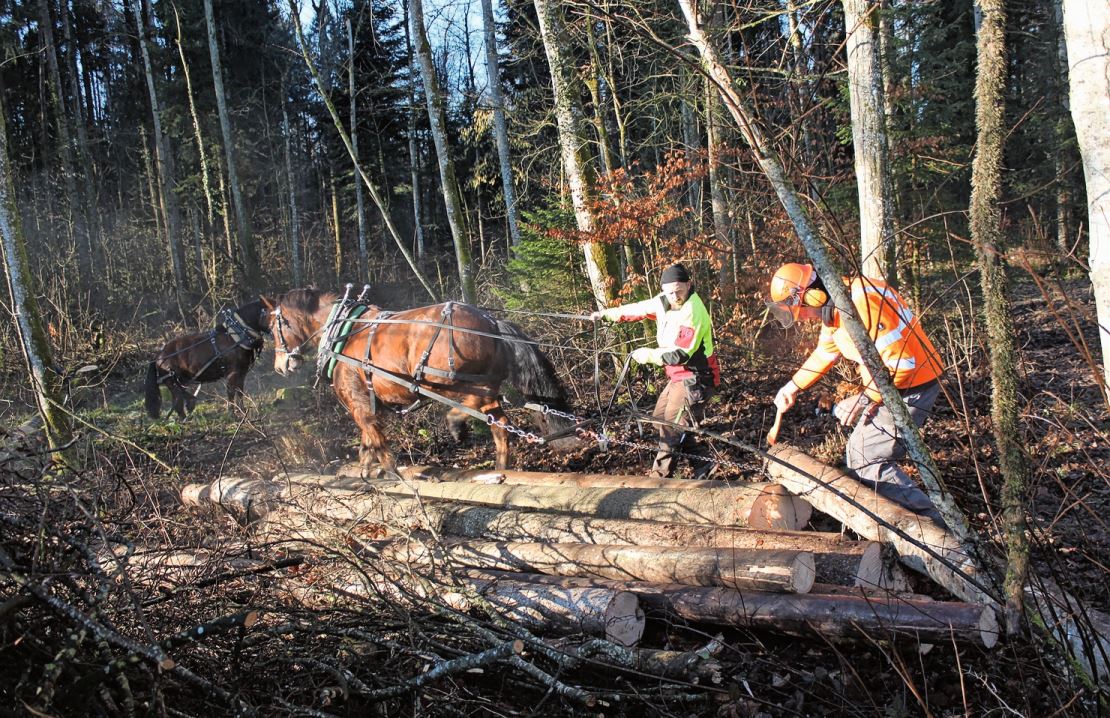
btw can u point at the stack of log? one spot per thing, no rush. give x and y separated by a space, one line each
585 553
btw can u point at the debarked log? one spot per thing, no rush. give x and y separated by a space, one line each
832 616
791 571
827 489
762 506
544 609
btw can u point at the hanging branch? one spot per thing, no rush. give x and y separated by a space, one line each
295 14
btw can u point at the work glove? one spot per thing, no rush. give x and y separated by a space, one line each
848 411
785 398
596 316
645 355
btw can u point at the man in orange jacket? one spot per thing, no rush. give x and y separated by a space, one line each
797 294
684 332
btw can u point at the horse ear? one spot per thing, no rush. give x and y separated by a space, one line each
268 303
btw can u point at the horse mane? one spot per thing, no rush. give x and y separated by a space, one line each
251 314
305 299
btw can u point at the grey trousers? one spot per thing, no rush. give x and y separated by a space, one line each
874 449
678 404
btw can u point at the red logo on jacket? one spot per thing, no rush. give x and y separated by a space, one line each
685 337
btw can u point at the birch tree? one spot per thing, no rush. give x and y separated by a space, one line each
1086 28
986 233
248 257
45 381
869 138
601 261
437 121
500 128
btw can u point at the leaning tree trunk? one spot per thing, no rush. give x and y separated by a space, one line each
986 234
500 130
170 211
869 138
45 381
773 169
601 260
360 211
248 257
437 122
1086 25
202 152
374 196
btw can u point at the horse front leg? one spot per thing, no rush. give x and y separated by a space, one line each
374 456
500 435
180 397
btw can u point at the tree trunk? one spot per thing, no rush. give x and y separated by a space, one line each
756 569
202 152
869 138
601 260
41 371
833 616
164 160
500 128
437 120
248 257
294 219
827 269
986 234
414 156
1085 28
360 213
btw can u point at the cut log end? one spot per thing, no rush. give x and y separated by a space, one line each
988 627
777 509
804 573
624 619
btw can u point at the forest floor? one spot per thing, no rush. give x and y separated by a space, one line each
304 662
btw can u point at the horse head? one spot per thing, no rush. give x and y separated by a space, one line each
293 322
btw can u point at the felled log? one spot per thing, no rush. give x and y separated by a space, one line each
551 478
791 571
751 505
762 505
832 616
789 467
543 609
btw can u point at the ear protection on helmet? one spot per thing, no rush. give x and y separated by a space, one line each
814 297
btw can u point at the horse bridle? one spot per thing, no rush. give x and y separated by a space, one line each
279 335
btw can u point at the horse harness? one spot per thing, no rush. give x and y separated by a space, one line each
340 327
244 336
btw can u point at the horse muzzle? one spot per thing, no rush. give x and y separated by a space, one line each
286 364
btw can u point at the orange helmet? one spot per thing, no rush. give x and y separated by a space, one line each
788 290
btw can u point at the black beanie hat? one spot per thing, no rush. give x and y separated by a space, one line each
674 273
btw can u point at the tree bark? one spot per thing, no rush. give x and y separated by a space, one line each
360 213
437 120
783 571
986 234
1085 27
248 257
832 616
601 260
414 156
500 128
294 218
41 371
869 138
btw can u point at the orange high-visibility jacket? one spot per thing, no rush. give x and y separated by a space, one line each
905 350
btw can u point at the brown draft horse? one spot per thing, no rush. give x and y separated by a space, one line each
464 359
229 350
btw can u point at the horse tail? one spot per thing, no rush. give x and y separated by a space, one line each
153 392
532 373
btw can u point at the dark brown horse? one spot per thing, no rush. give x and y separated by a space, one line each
455 353
228 351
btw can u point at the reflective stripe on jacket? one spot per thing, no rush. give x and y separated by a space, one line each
684 336
905 350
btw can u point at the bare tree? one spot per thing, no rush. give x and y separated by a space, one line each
500 128
986 233
601 261
248 257
45 380
437 120
869 137
360 211
1086 25
162 157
